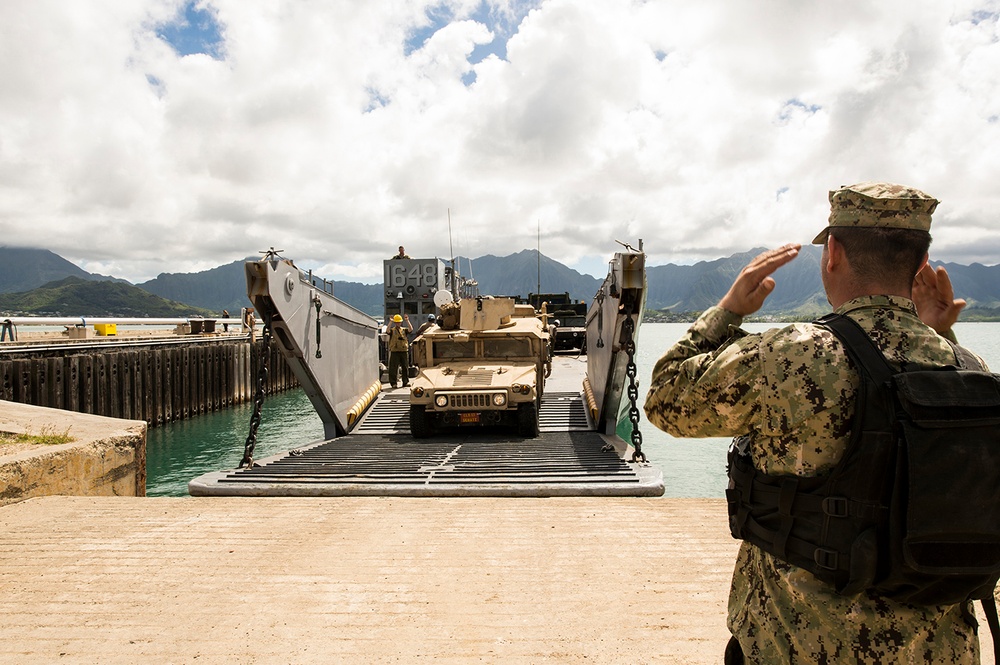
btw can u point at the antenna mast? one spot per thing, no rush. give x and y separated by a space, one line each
451 248
538 253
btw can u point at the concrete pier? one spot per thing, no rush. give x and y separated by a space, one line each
105 456
363 580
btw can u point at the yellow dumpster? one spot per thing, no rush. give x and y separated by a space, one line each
106 329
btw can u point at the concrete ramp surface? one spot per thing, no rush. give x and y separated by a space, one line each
363 580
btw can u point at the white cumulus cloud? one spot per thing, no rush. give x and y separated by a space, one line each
337 131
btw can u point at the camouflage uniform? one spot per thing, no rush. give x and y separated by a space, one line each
792 390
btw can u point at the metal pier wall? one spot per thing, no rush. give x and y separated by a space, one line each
155 383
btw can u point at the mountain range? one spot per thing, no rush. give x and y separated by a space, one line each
673 290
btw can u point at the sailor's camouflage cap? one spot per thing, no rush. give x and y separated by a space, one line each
879 205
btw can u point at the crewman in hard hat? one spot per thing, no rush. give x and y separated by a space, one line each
431 321
399 348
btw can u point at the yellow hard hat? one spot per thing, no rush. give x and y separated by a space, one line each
397 318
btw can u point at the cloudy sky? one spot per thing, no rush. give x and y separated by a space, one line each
154 136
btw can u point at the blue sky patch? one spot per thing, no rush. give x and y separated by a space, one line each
194 31
375 100
503 23
980 15
793 105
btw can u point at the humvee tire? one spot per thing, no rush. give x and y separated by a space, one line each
527 420
420 427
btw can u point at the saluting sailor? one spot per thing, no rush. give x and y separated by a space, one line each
792 392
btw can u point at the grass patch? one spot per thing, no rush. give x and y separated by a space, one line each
47 437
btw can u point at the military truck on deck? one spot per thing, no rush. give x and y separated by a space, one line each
571 331
489 369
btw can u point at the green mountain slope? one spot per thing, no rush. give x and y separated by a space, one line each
73 296
520 274
677 288
25 269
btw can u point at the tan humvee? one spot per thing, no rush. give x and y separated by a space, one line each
488 370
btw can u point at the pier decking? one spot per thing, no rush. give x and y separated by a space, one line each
363 580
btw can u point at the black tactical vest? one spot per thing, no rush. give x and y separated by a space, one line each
912 509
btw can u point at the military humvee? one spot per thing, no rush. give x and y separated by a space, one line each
486 366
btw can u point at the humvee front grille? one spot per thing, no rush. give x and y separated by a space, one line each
469 401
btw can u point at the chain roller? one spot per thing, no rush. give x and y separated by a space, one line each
258 400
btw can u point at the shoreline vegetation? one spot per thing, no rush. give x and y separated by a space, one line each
46 437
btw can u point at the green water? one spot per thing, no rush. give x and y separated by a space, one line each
186 449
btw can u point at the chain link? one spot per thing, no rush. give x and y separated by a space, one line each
318 303
258 401
628 345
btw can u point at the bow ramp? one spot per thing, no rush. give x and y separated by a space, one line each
575 449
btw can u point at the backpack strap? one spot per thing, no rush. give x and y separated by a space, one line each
966 359
857 340
860 346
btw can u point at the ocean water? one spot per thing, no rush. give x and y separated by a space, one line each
180 451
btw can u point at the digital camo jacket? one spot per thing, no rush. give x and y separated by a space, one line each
793 391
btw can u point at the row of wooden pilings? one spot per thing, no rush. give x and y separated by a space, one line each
158 384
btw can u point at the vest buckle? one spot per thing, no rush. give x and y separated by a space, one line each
825 558
835 506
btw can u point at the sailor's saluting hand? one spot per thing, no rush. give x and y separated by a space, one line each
754 284
935 299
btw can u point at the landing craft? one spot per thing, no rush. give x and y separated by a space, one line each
468 441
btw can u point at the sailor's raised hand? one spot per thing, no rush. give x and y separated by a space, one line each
935 299
754 283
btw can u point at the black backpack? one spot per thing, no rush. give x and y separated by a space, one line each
912 509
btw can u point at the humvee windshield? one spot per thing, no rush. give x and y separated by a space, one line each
490 348
452 349
507 348
573 321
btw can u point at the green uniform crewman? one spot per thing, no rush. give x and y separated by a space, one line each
399 347
792 391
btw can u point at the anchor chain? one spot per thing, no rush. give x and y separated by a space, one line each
258 400
319 304
628 345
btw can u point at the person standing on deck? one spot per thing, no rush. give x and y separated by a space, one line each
399 349
425 326
401 255
792 392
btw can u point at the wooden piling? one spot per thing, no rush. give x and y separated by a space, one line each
158 384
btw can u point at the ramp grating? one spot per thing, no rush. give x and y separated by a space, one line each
380 458
560 463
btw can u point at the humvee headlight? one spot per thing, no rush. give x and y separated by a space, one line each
520 388
441 400
499 399
418 391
